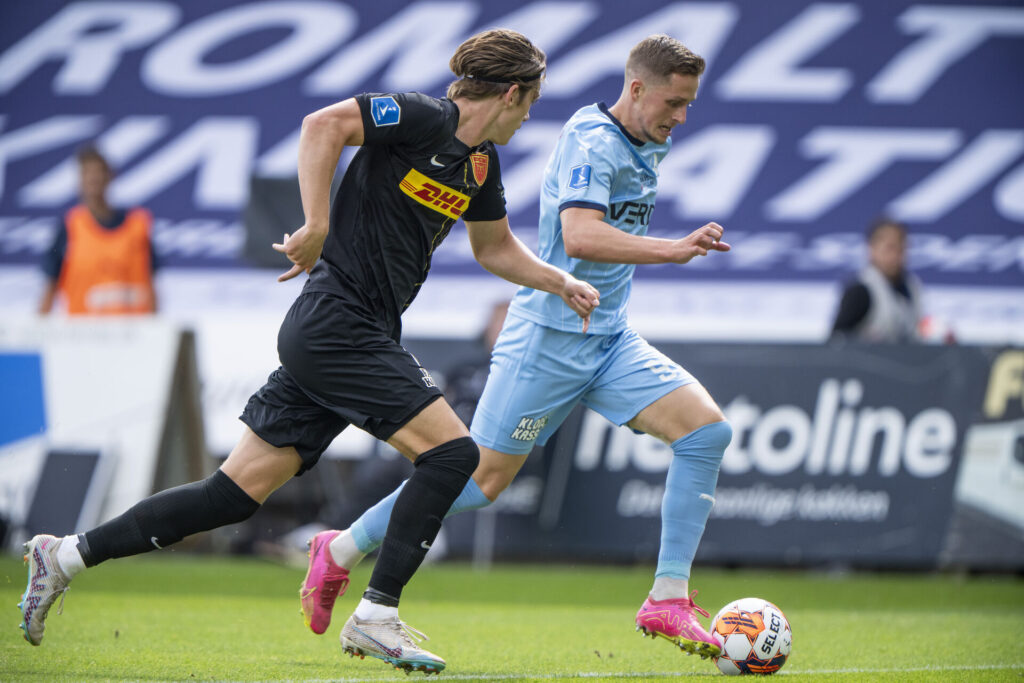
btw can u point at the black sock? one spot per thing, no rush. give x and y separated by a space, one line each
440 475
167 517
378 598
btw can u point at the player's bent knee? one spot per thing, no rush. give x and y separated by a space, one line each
449 465
460 456
715 436
234 504
721 433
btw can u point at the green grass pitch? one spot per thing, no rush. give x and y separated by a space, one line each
176 617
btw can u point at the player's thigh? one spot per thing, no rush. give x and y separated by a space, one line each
259 468
531 387
347 364
678 413
283 415
636 380
436 424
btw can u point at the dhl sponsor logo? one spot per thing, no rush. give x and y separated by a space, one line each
433 194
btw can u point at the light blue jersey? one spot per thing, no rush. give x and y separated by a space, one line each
542 367
596 165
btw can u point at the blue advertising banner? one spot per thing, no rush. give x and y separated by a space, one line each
849 456
22 406
812 119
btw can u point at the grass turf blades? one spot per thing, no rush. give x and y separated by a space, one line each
177 617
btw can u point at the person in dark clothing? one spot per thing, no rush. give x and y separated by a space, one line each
465 380
884 303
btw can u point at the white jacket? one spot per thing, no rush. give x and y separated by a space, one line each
891 317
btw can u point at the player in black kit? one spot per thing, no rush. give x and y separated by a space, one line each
423 164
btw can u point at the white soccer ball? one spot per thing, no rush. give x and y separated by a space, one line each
754 635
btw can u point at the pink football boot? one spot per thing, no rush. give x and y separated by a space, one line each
324 582
676 621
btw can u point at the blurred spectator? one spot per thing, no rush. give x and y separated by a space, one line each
101 259
884 303
464 382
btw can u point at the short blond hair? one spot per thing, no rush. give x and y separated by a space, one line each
659 56
490 62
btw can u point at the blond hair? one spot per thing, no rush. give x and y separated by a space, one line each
490 62
659 56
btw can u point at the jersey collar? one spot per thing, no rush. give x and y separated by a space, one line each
629 136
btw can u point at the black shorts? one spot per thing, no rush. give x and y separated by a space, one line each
338 368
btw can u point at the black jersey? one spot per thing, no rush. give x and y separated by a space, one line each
401 195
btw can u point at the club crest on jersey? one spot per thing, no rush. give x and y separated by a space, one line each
479 163
433 194
579 176
384 111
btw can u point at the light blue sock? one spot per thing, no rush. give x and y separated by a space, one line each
689 495
368 531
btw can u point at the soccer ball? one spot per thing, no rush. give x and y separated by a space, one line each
754 636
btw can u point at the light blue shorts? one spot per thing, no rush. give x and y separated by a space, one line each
539 374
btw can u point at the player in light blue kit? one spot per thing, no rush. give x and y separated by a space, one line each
597 199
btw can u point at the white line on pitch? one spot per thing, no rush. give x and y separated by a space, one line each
669 674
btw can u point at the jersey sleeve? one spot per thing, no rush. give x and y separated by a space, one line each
400 118
489 203
585 171
853 308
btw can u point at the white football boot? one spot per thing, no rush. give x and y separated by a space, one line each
391 640
45 583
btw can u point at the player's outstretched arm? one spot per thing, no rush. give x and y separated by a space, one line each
588 237
502 253
700 242
325 133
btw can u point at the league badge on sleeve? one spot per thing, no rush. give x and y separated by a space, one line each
579 176
384 111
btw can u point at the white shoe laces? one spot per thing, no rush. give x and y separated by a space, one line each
60 605
411 635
